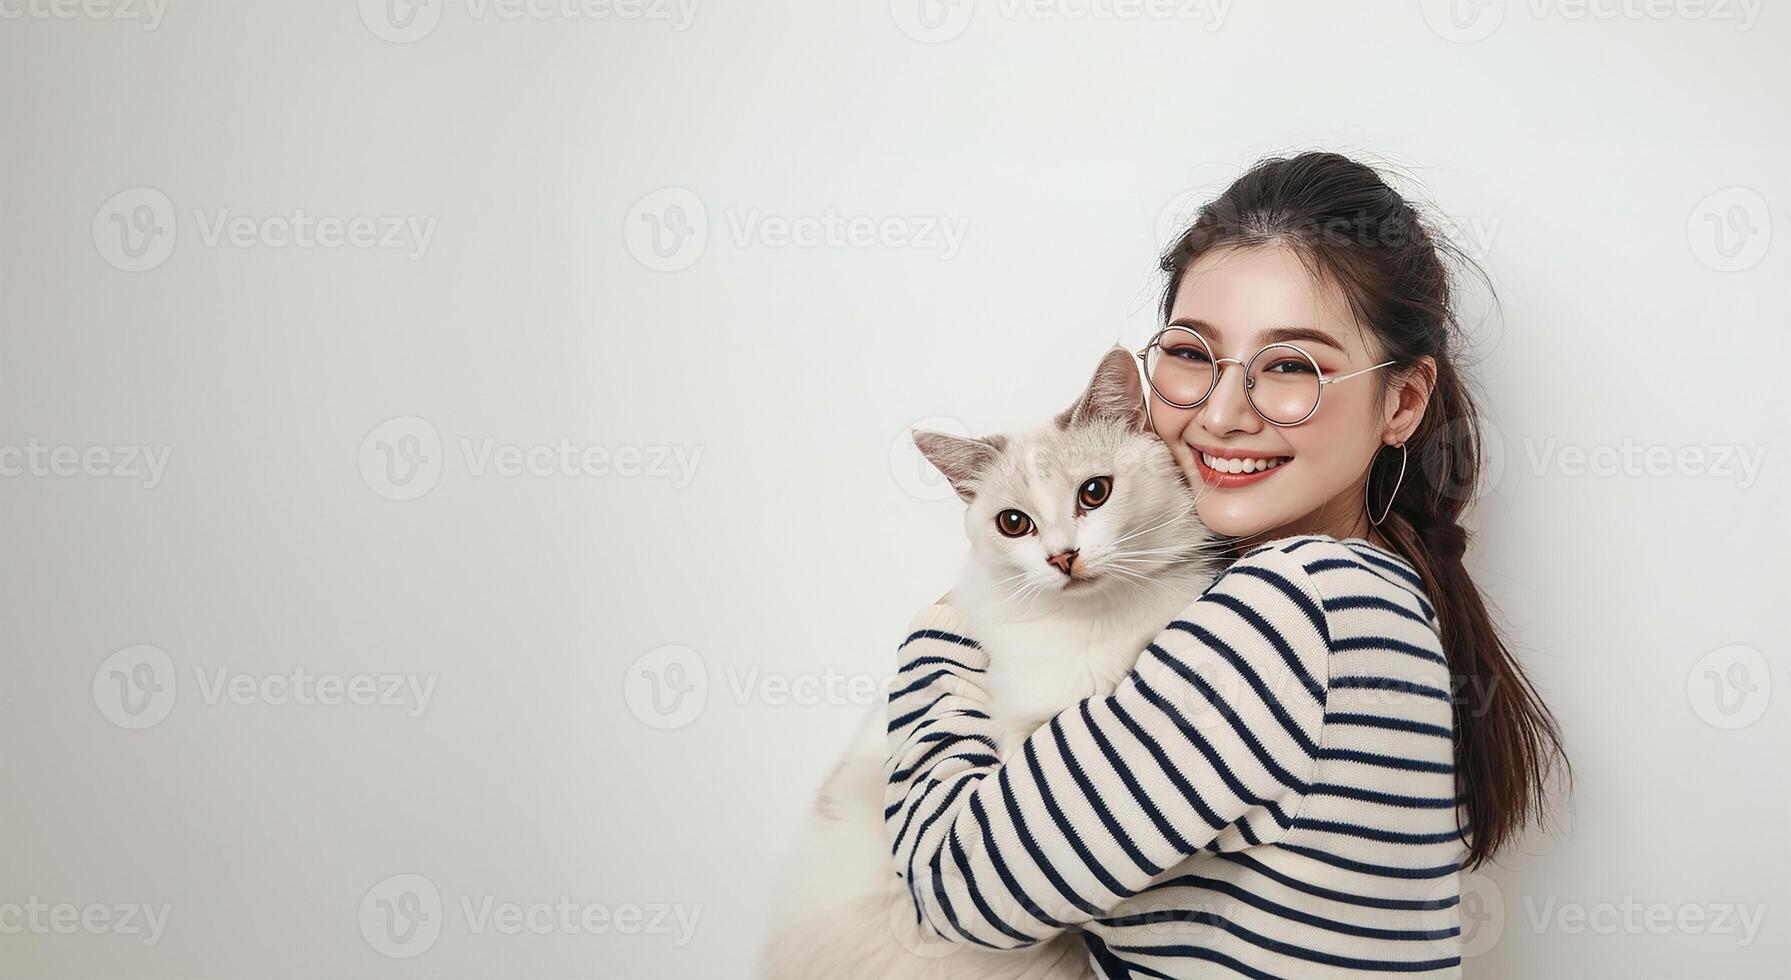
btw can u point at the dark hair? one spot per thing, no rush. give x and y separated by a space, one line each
1351 229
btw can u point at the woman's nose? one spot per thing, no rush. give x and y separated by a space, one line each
1228 408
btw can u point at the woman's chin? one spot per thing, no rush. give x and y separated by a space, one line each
1232 521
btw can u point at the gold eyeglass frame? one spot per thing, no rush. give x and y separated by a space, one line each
1219 374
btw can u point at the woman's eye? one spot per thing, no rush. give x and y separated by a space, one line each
1013 523
1190 352
1292 365
1095 492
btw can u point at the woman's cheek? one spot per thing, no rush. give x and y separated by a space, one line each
1168 426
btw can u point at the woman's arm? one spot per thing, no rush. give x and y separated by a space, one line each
1208 744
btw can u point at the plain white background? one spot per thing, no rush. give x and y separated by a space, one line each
342 699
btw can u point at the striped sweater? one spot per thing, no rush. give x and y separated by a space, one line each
1269 793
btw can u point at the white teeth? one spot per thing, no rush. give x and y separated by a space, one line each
1252 465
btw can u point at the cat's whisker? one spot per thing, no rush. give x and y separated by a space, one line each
1178 515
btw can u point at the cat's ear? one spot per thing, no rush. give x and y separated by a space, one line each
1114 394
959 458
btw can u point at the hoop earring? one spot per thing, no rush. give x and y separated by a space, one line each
1366 484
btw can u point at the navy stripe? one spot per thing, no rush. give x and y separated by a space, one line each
1032 848
1379 870
902 720
1189 793
1002 871
1199 953
1076 843
1386 761
946 740
962 860
1389 799
1374 602
1387 643
1224 772
1367 901
1390 684
1389 724
1294 595
1278 946
1375 833
933 659
1295 915
1124 772
1263 694
1100 807
942 635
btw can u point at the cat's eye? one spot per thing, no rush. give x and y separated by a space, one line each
1095 492
1013 523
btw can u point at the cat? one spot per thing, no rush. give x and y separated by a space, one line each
1084 544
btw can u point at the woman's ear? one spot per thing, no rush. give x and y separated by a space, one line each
1410 396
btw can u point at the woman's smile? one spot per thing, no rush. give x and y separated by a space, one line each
1227 468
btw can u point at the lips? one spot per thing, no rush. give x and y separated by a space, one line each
1224 471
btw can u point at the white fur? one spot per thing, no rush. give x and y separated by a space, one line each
844 912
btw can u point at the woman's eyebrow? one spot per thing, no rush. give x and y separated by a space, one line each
1273 335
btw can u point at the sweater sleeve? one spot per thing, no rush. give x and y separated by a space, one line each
1209 744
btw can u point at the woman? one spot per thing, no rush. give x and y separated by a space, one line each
1294 776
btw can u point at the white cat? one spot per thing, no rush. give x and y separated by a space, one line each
1084 545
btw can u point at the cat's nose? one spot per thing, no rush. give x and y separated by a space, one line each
1062 560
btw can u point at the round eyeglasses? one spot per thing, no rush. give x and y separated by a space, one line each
1282 383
